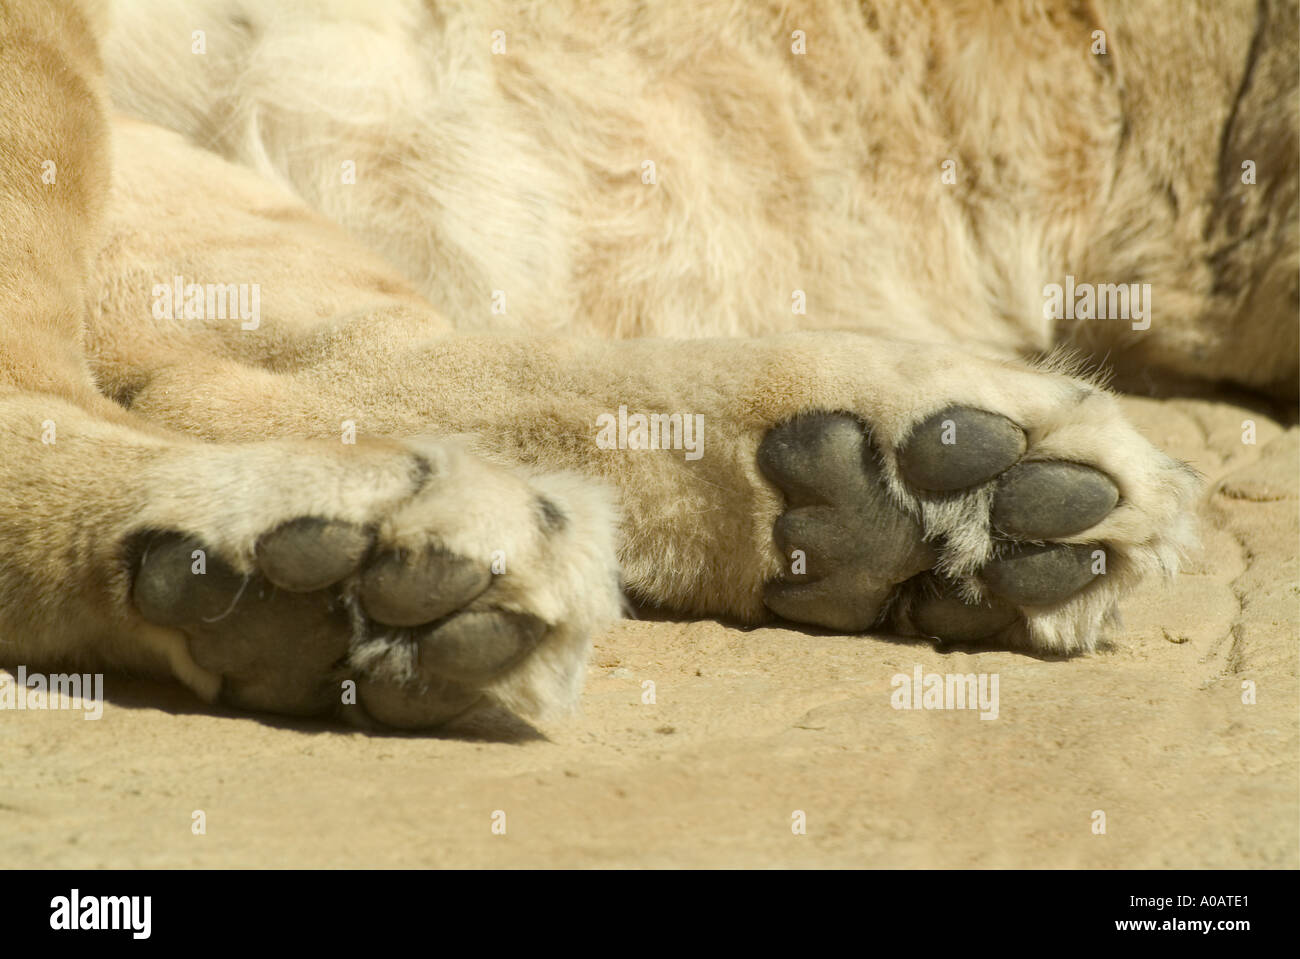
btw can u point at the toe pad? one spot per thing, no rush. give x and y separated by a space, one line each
959 447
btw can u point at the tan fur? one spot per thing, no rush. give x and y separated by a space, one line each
821 172
523 173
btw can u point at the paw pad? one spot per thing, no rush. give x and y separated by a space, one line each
958 448
306 554
1040 575
1047 500
398 589
863 548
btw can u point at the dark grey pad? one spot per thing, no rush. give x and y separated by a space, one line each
273 648
453 658
401 589
282 646
859 544
938 611
1050 499
477 647
417 705
1040 575
309 553
959 447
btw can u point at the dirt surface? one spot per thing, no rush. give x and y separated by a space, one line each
749 728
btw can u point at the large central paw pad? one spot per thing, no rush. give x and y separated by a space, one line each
849 544
963 530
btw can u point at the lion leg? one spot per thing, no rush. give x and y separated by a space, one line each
829 446
407 579
837 480
843 481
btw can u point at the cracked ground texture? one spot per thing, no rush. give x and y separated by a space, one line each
749 726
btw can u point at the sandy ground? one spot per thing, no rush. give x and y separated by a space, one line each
750 728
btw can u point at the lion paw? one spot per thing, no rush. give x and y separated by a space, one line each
472 583
969 526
